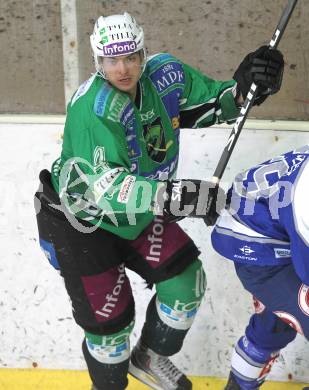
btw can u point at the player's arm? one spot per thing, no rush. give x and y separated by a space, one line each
205 101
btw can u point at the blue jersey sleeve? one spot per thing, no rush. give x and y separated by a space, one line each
296 221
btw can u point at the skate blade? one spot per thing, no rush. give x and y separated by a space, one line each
142 376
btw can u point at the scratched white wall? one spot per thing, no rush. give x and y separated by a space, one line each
36 322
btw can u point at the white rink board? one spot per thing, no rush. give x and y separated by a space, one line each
36 320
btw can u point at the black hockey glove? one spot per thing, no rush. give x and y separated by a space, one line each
192 198
264 67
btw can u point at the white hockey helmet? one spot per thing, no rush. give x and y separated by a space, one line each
114 36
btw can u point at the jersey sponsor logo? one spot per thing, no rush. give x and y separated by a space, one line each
132 153
246 250
128 120
134 167
282 253
128 116
175 122
126 189
166 75
134 150
147 116
118 105
303 299
168 79
112 299
101 99
163 173
105 183
155 140
156 240
290 320
167 68
119 48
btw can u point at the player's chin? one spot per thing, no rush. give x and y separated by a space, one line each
126 86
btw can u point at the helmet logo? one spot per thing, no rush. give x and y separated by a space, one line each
119 48
104 37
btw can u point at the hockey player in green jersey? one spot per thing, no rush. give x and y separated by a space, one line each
111 202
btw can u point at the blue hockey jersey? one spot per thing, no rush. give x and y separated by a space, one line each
266 221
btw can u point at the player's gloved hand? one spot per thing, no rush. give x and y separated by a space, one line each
264 67
215 203
192 198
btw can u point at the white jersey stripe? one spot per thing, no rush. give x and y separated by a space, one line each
229 226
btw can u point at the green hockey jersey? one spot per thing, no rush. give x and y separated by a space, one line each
117 152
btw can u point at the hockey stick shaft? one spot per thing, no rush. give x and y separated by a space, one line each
238 125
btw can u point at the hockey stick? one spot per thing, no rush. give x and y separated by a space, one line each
238 125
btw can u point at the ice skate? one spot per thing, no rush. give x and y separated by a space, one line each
156 371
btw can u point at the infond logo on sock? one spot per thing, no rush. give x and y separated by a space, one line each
119 48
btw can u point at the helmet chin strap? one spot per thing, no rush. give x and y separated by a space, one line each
99 67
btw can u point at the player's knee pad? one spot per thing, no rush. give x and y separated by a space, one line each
250 364
110 349
179 298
